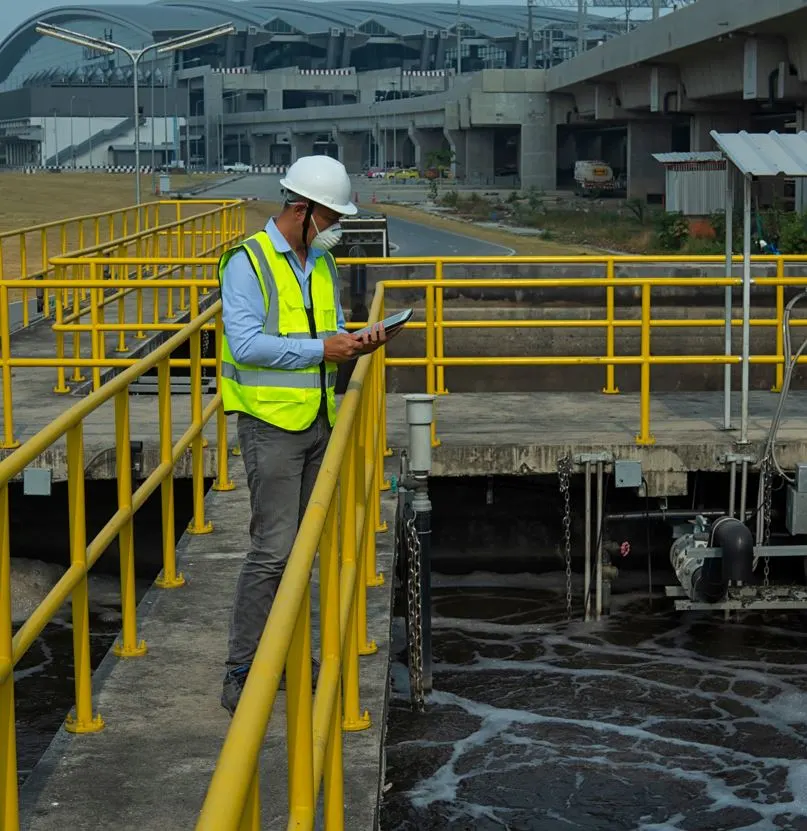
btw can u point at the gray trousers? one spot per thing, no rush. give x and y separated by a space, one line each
281 470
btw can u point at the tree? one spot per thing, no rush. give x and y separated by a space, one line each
437 162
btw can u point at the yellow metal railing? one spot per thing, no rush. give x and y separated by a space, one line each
189 242
435 324
341 522
83 555
25 253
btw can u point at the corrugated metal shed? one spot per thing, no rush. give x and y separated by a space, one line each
765 154
695 182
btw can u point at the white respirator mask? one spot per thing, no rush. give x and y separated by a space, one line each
327 239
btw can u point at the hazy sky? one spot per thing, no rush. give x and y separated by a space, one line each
12 14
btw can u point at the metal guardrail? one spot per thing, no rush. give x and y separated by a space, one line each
340 523
83 554
74 293
435 361
25 253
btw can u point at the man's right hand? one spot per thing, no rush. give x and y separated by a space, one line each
341 348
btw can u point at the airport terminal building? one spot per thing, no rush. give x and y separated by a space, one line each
514 95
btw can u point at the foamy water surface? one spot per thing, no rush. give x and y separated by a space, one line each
647 721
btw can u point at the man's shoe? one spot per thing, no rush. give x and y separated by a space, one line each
235 679
234 682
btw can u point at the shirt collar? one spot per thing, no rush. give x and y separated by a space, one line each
281 244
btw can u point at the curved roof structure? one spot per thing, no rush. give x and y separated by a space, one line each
298 17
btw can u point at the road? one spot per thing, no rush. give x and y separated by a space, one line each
411 239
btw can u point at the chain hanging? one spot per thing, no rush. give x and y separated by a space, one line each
410 543
766 518
205 346
565 474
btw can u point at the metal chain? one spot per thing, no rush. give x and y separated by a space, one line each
205 345
766 518
411 541
565 474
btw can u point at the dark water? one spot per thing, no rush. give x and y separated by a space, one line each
44 686
645 721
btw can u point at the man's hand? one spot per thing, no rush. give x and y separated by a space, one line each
341 348
377 336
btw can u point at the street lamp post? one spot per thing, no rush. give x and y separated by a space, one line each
108 47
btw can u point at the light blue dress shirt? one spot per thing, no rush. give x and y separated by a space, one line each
244 314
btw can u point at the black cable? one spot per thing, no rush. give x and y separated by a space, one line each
647 540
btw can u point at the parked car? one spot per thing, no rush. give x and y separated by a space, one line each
236 167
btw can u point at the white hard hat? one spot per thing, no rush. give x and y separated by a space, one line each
323 180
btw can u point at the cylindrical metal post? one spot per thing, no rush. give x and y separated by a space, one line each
419 418
9 803
598 609
733 489
746 368
587 563
197 524
780 335
168 578
302 803
8 442
645 436
128 646
744 491
84 722
728 296
610 387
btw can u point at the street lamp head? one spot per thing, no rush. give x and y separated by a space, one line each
74 37
195 38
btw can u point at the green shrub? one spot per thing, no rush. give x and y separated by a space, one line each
672 231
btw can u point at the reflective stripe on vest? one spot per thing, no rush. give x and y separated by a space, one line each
289 399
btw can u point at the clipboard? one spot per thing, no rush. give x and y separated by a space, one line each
391 323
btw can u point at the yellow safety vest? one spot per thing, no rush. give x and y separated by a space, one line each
288 399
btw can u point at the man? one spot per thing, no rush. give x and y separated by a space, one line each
284 335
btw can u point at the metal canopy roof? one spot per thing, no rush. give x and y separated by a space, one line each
689 158
765 154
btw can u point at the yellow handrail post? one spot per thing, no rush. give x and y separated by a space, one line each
77 377
8 442
140 334
43 264
430 362
353 719
780 338
299 731
169 311
129 646
645 437
365 518
439 332
168 578
96 298
197 524
251 818
331 652
374 578
24 274
84 722
59 297
223 481
382 371
123 274
610 387
9 805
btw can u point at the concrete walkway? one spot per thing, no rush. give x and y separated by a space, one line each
148 770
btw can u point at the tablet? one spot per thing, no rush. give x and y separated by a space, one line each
391 323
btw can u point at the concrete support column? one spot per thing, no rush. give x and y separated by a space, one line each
645 174
456 141
701 125
538 163
479 156
351 148
302 144
425 142
801 185
213 108
260 149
